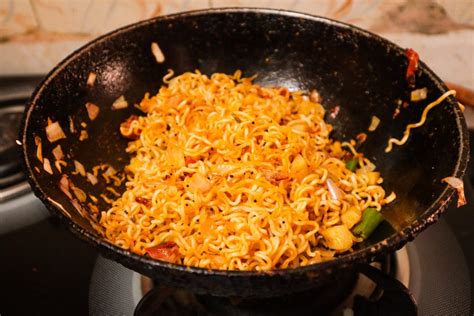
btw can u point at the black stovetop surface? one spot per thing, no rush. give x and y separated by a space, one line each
44 270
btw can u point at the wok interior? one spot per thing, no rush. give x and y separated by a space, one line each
362 74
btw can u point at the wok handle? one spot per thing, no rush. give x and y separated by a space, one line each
463 94
395 299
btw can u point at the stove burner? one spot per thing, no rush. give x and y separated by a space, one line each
12 178
321 300
10 167
163 300
367 290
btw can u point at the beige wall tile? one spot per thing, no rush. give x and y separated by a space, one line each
124 12
16 17
174 6
64 25
96 17
274 4
111 14
61 16
101 16
34 57
355 12
461 11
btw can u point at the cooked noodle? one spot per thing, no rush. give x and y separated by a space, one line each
406 134
236 176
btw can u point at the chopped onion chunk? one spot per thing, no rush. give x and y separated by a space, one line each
39 148
457 184
64 186
91 79
47 166
58 152
200 182
83 135
81 195
374 123
155 49
91 178
120 103
334 191
79 168
419 94
338 237
314 96
54 132
92 110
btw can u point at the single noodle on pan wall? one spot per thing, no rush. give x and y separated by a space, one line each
227 174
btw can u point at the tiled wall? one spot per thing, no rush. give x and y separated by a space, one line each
36 34
70 18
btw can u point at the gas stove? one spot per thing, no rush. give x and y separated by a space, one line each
45 270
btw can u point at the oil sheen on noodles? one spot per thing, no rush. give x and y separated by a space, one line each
232 175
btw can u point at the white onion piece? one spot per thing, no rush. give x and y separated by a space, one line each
323 127
91 178
81 196
58 152
314 96
299 128
54 132
273 176
77 206
110 171
59 163
374 123
351 217
64 186
47 166
419 94
58 205
72 129
91 79
155 49
334 191
348 312
120 103
224 168
92 110
83 135
299 168
39 148
337 237
457 184
334 111
200 182
80 168
369 167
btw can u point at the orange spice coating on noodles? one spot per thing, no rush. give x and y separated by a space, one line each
235 176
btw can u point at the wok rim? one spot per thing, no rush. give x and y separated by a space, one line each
390 244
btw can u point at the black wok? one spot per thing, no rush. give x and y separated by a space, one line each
351 68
